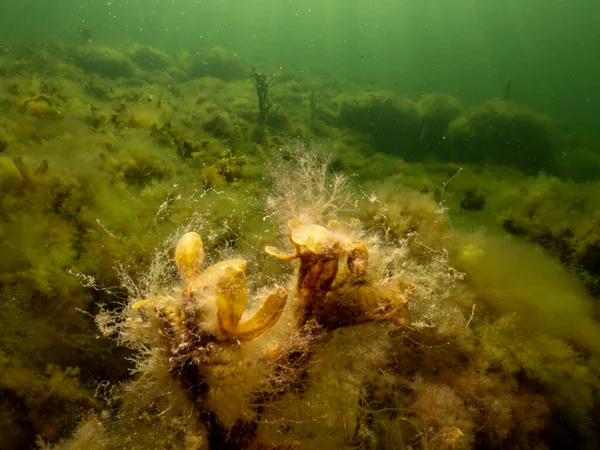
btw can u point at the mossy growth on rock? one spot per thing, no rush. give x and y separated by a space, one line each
502 132
579 164
104 61
219 62
149 58
391 122
436 111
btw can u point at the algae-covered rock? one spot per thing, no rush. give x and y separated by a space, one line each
560 216
580 164
278 120
138 166
149 58
436 111
392 122
104 61
41 107
220 126
502 132
219 62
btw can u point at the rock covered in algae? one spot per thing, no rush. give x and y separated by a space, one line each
149 58
502 132
104 61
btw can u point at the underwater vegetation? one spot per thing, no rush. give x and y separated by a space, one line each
498 132
182 269
504 133
372 341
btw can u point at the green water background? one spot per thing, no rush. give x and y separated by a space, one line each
468 48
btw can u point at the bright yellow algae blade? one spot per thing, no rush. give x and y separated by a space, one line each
319 240
189 255
265 317
140 303
231 292
273 251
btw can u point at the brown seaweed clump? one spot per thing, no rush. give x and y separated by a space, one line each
198 341
331 279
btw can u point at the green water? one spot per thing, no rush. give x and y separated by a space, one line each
464 47
435 164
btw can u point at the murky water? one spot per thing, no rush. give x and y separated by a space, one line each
297 224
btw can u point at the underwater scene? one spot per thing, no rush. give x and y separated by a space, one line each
299 224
